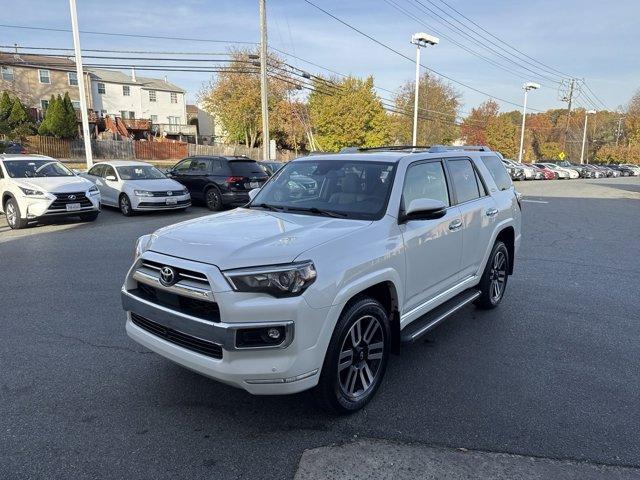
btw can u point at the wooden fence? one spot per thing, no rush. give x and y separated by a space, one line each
138 149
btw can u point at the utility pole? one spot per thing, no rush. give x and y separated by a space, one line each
618 130
264 86
584 134
81 87
569 99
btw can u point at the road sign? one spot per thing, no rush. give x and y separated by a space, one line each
561 155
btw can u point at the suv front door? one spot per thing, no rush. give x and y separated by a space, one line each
192 173
478 212
433 248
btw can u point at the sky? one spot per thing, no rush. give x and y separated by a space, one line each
589 39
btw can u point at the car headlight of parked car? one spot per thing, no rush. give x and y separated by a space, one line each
142 244
142 193
94 191
277 280
30 192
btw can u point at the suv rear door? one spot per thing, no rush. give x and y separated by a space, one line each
433 248
478 212
193 173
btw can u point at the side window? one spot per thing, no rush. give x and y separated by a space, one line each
425 180
96 171
109 170
199 165
497 171
1 174
216 167
183 166
464 180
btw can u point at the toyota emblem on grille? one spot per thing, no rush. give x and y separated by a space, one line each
167 276
169 193
71 197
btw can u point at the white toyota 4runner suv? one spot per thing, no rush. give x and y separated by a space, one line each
335 263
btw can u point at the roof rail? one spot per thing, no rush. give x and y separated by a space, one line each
384 148
467 148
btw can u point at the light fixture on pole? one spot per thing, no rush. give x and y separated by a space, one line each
81 87
420 39
526 87
584 134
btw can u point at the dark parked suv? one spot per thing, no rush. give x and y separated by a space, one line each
219 181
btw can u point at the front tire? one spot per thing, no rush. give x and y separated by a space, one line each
356 358
12 212
124 202
494 278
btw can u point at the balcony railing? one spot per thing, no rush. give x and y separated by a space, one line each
173 129
137 123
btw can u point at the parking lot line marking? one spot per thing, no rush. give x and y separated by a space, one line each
533 201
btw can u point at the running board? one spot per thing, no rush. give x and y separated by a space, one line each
422 325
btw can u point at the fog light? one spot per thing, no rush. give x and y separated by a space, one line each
273 333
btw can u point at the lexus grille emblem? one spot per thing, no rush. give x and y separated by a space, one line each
167 276
71 197
169 193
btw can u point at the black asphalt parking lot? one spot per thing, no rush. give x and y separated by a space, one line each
554 372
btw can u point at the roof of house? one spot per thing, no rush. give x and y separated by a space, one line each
116 76
30 60
192 109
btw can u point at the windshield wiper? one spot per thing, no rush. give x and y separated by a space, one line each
318 211
267 206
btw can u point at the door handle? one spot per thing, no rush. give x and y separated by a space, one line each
492 212
455 225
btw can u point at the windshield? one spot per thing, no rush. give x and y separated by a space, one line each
341 188
36 168
139 172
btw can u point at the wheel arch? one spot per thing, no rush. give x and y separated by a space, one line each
508 236
5 197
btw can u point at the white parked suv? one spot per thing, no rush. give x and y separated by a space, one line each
34 186
315 286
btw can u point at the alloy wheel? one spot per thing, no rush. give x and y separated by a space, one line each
213 199
498 276
125 206
361 356
12 214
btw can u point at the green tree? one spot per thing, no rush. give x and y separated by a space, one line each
6 104
57 119
70 123
349 113
14 118
501 135
438 109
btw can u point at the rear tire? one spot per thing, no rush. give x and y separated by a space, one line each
12 212
125 205
213 199
356 358
494 278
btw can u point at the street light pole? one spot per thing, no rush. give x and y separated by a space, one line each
584 134
81 87
420 39
526 87
264 86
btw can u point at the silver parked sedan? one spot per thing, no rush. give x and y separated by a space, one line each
136 186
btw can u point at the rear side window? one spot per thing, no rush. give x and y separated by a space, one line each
464 179
245 168
498 172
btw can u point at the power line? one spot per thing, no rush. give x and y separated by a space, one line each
391 49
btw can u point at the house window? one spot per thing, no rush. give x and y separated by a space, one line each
126 91
174 120
154 118
123 114
73 78
132 115
174 97
152 95
7 73
45 76
76 104
44 104
101 88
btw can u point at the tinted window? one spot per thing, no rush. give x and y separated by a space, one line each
425 180
108 170
497 171
96 171
199 165
463 177
36 168
183 166
245 168
217 168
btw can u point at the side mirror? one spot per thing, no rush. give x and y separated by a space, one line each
169 172
424 209
110 178
253 193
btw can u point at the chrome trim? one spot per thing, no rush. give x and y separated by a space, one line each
224 334
297 378
178 288
442 317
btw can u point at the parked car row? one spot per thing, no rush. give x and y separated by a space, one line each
566 170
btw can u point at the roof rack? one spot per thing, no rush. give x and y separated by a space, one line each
414 148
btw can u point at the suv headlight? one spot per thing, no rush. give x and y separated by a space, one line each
277 280
94 191
30 192
142 245
142 193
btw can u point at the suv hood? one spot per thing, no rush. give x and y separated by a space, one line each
55 184
249 237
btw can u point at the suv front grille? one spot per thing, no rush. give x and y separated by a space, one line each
64 199
196 308
183 340
182 273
